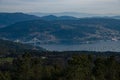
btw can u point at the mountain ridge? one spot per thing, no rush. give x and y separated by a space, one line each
11 18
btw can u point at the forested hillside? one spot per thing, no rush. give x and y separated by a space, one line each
9 47
10 18
63 31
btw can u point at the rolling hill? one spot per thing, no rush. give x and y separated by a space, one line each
10 18
63 31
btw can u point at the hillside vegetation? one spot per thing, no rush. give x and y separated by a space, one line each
63 31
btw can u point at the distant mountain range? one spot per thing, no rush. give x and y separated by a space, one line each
10 18
116 17
52 17
57 30
73 14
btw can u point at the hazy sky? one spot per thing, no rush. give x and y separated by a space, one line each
85 6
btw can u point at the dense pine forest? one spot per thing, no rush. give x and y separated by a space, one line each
69 65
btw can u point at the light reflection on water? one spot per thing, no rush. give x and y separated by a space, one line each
97 46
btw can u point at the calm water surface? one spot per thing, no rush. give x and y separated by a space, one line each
96 46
